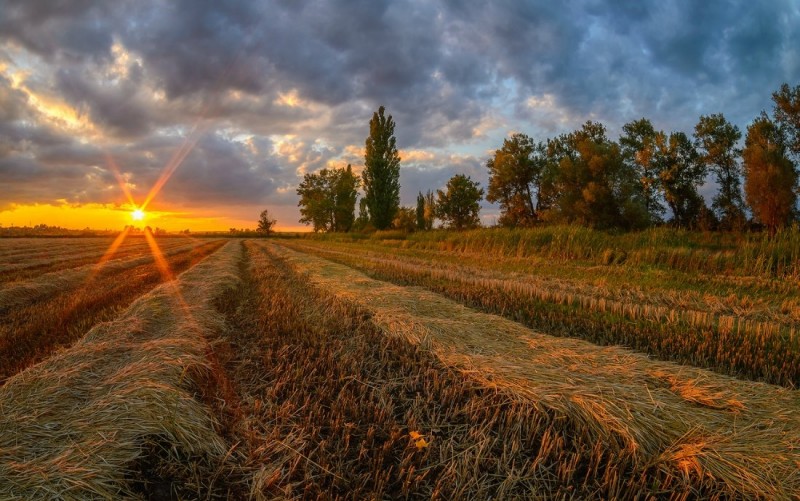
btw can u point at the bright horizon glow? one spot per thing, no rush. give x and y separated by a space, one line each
137 215
116 217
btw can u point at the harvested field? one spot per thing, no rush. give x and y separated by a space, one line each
261 372
749 336
53 310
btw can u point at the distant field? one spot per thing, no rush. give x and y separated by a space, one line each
563 365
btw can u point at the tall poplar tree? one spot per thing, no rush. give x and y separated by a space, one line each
381 176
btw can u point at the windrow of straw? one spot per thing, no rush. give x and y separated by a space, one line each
31 332
739 346
47 257
703 310
13 248
740 437
117 415
43 286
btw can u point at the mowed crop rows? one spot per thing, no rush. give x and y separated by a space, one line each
263 372
41 313
751 332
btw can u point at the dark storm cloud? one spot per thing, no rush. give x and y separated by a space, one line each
286 87
77 28
116 108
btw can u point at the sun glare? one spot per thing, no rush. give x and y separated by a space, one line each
137 215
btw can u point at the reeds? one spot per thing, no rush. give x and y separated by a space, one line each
116 415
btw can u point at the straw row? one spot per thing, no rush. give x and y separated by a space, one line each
116 415
740 436
743 347
43 286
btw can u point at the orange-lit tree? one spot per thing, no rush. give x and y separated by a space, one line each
770 177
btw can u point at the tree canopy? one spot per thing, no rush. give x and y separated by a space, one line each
328 199
770 177
716 139
381 174
458 206
265 222
515 172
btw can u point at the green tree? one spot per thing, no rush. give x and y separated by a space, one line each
381 174
265 222
591 184
362 222
787 115
638 151
328 199
426 207
680 172
404 219
514 180
420 211
345 190
770 177
716 139
459 206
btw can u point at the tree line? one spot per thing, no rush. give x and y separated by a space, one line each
584 177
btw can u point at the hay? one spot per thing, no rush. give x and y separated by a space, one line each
687 421
120 405
48 284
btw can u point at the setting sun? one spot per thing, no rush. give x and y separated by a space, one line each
137 215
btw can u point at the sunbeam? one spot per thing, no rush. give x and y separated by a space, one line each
174 162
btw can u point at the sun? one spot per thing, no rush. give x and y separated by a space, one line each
137 215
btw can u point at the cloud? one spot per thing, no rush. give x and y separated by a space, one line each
274 89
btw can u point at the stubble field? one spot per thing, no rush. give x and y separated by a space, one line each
322 369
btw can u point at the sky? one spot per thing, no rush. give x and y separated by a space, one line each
208 112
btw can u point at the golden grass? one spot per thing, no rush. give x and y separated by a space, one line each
664 323
120 405
689 422
18 293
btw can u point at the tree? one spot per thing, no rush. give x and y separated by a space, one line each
787 115
680 172
770 177
362 222
404 219
514 180
591 184
459 206
328 199
420 211
716 139
430 209
265 222
345 190
425 210
381 174
638 151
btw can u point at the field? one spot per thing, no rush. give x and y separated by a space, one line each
556 364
